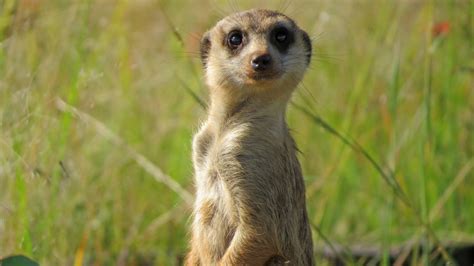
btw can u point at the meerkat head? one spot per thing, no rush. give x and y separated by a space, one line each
255 51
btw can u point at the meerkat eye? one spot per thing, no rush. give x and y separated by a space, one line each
235 39
281 35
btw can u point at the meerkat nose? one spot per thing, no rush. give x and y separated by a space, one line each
261 62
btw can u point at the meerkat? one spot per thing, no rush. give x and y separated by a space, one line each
250 204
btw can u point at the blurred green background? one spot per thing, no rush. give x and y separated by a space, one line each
97 96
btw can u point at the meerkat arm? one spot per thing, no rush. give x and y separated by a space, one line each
192 258
253 242
247 248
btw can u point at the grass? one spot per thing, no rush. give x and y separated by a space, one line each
99 101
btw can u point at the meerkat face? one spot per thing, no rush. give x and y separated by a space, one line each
256 49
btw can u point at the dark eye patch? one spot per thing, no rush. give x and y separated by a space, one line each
282 38
281 35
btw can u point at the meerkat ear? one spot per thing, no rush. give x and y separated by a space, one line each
309 47
205 47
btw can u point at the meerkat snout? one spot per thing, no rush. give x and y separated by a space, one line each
261 67
261 62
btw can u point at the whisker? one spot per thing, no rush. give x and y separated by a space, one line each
318 36
233 6
284 5
305 99
221 12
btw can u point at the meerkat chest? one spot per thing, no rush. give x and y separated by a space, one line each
215 157
220 160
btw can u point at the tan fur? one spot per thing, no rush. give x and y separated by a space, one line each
250 202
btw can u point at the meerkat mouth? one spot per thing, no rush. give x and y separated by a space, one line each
259 76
